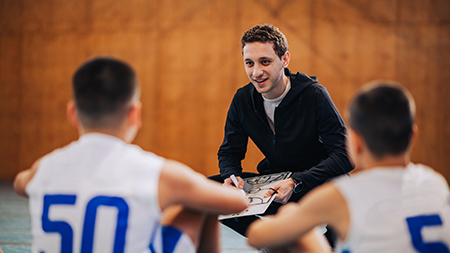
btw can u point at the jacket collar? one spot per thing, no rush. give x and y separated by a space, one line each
299 82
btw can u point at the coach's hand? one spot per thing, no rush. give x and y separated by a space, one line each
229 182
283 189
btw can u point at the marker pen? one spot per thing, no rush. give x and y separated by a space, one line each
235 182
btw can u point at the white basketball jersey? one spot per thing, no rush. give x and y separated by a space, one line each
396 210
97 194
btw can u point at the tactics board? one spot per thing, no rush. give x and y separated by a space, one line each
256 187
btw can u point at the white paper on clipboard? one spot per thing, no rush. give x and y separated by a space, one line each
256 187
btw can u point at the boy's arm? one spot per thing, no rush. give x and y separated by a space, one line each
179 184
323 205
24 177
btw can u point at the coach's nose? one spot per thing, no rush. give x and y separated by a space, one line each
257 71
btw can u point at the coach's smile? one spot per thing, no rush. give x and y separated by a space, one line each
265 69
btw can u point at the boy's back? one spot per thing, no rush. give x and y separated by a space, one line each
97 176
388 206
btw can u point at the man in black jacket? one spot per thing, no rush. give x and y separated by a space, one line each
291 119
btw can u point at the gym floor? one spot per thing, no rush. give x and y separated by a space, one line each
15 226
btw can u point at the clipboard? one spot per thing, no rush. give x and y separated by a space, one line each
255 188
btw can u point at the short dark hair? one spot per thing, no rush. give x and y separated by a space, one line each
383 113
266 33
103 89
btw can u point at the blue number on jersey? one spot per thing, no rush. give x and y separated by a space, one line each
170 237
87 241
415 225
61 227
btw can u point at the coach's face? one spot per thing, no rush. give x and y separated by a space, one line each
265 69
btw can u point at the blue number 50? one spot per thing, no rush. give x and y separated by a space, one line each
87 241
415 225
61 227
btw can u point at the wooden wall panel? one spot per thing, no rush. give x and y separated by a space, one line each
188 57
10 88
10 96
422 65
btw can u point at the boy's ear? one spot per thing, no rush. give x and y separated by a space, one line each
72 113
135 116
415 133
357 142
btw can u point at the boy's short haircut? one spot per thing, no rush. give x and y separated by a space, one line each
103 90
266 33
383 113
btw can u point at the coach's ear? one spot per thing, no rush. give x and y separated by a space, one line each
286 58
72 113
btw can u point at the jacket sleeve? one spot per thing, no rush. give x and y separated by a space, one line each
332 133
234 146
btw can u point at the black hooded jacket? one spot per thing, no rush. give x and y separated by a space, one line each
309 139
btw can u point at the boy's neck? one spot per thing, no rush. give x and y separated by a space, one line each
387 162
123 135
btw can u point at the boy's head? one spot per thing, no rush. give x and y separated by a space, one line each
382 114
266 33
104 91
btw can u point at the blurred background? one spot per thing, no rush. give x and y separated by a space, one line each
188 58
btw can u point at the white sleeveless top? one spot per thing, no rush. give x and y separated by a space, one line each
396 210
97 194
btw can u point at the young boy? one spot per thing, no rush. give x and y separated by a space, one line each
100 193
390 205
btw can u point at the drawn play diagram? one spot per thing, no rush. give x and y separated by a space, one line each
256 187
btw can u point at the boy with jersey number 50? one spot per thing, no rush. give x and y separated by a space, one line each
389 204
100 193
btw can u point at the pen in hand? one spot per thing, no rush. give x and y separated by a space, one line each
236 183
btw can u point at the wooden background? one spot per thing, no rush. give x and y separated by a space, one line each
187 54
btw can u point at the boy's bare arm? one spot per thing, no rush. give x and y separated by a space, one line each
323 205
179 184
24 177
